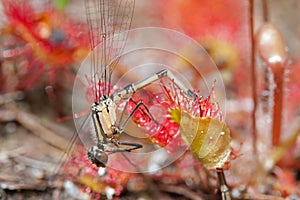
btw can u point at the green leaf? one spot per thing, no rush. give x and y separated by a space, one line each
60 4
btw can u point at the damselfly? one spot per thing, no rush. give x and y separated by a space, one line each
106 20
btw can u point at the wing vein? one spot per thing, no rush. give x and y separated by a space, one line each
107 20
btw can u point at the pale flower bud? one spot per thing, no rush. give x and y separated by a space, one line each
271 46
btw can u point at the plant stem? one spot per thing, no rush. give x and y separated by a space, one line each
225 194
265 8
253 75
273 51
277 106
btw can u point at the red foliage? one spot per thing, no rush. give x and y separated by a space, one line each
79 169
43 40
220 26
94 91
205 17
162 129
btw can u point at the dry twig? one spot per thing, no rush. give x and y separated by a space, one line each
11 112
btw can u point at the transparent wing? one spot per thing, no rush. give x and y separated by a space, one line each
106 19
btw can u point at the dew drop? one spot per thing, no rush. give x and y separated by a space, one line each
101 171
110 192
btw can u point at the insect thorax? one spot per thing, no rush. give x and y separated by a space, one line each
105 110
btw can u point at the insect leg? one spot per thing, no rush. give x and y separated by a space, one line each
101 136
127 91
134 146
137 106
121 148
223 186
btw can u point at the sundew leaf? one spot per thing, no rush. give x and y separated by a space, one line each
208 138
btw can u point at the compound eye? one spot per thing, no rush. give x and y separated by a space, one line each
101 158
